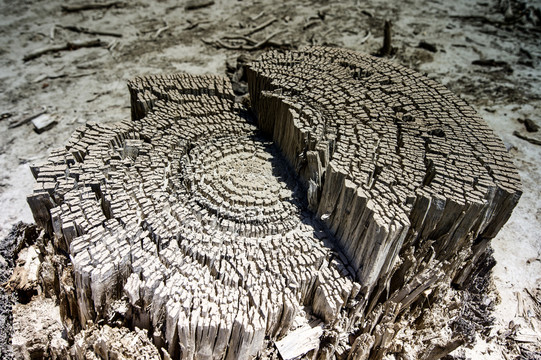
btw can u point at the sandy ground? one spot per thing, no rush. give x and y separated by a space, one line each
89 84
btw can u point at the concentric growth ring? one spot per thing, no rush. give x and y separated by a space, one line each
379 187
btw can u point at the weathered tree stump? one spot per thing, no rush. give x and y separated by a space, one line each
378 186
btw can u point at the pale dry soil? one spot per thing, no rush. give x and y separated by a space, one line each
89 84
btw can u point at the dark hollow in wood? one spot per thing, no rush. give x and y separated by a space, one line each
378 186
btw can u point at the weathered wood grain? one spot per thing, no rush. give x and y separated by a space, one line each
378 186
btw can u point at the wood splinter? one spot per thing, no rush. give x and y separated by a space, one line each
65 47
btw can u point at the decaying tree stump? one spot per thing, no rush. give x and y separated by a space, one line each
378 186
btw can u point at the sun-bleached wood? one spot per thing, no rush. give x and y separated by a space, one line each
391 159
359 187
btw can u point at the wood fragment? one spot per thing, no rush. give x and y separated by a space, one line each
367 13
260 26
97 95
386 49
258 16
244 38
43 123
427 46
84 30
535 299
49 76
198 4
195 24
24 279
160 31
65 47
92 6
529 139
311 23
527 338
26 119
256 45
490 63
366 37
300 341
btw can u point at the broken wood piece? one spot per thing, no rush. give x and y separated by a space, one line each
427 46
43 123
299 341
387 48
258 16
366 37
52 32
25 119
490 63
244 38
63 75
160 31
24 279
527 338
84 30
197 4
506 67
255 46
529 139
260 27
65 47
311 23
49 76
195 24
92 6
97 95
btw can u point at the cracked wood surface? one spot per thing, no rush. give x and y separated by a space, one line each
378 186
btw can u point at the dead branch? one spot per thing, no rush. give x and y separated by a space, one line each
527 138
26 120
160 31
84 30
195 24
260 27
112 45
51 76
256 46
366 37
198 4
311 23
97 95
247 39
92 6
256 17
67 46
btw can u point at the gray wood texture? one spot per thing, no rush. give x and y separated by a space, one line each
378 186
